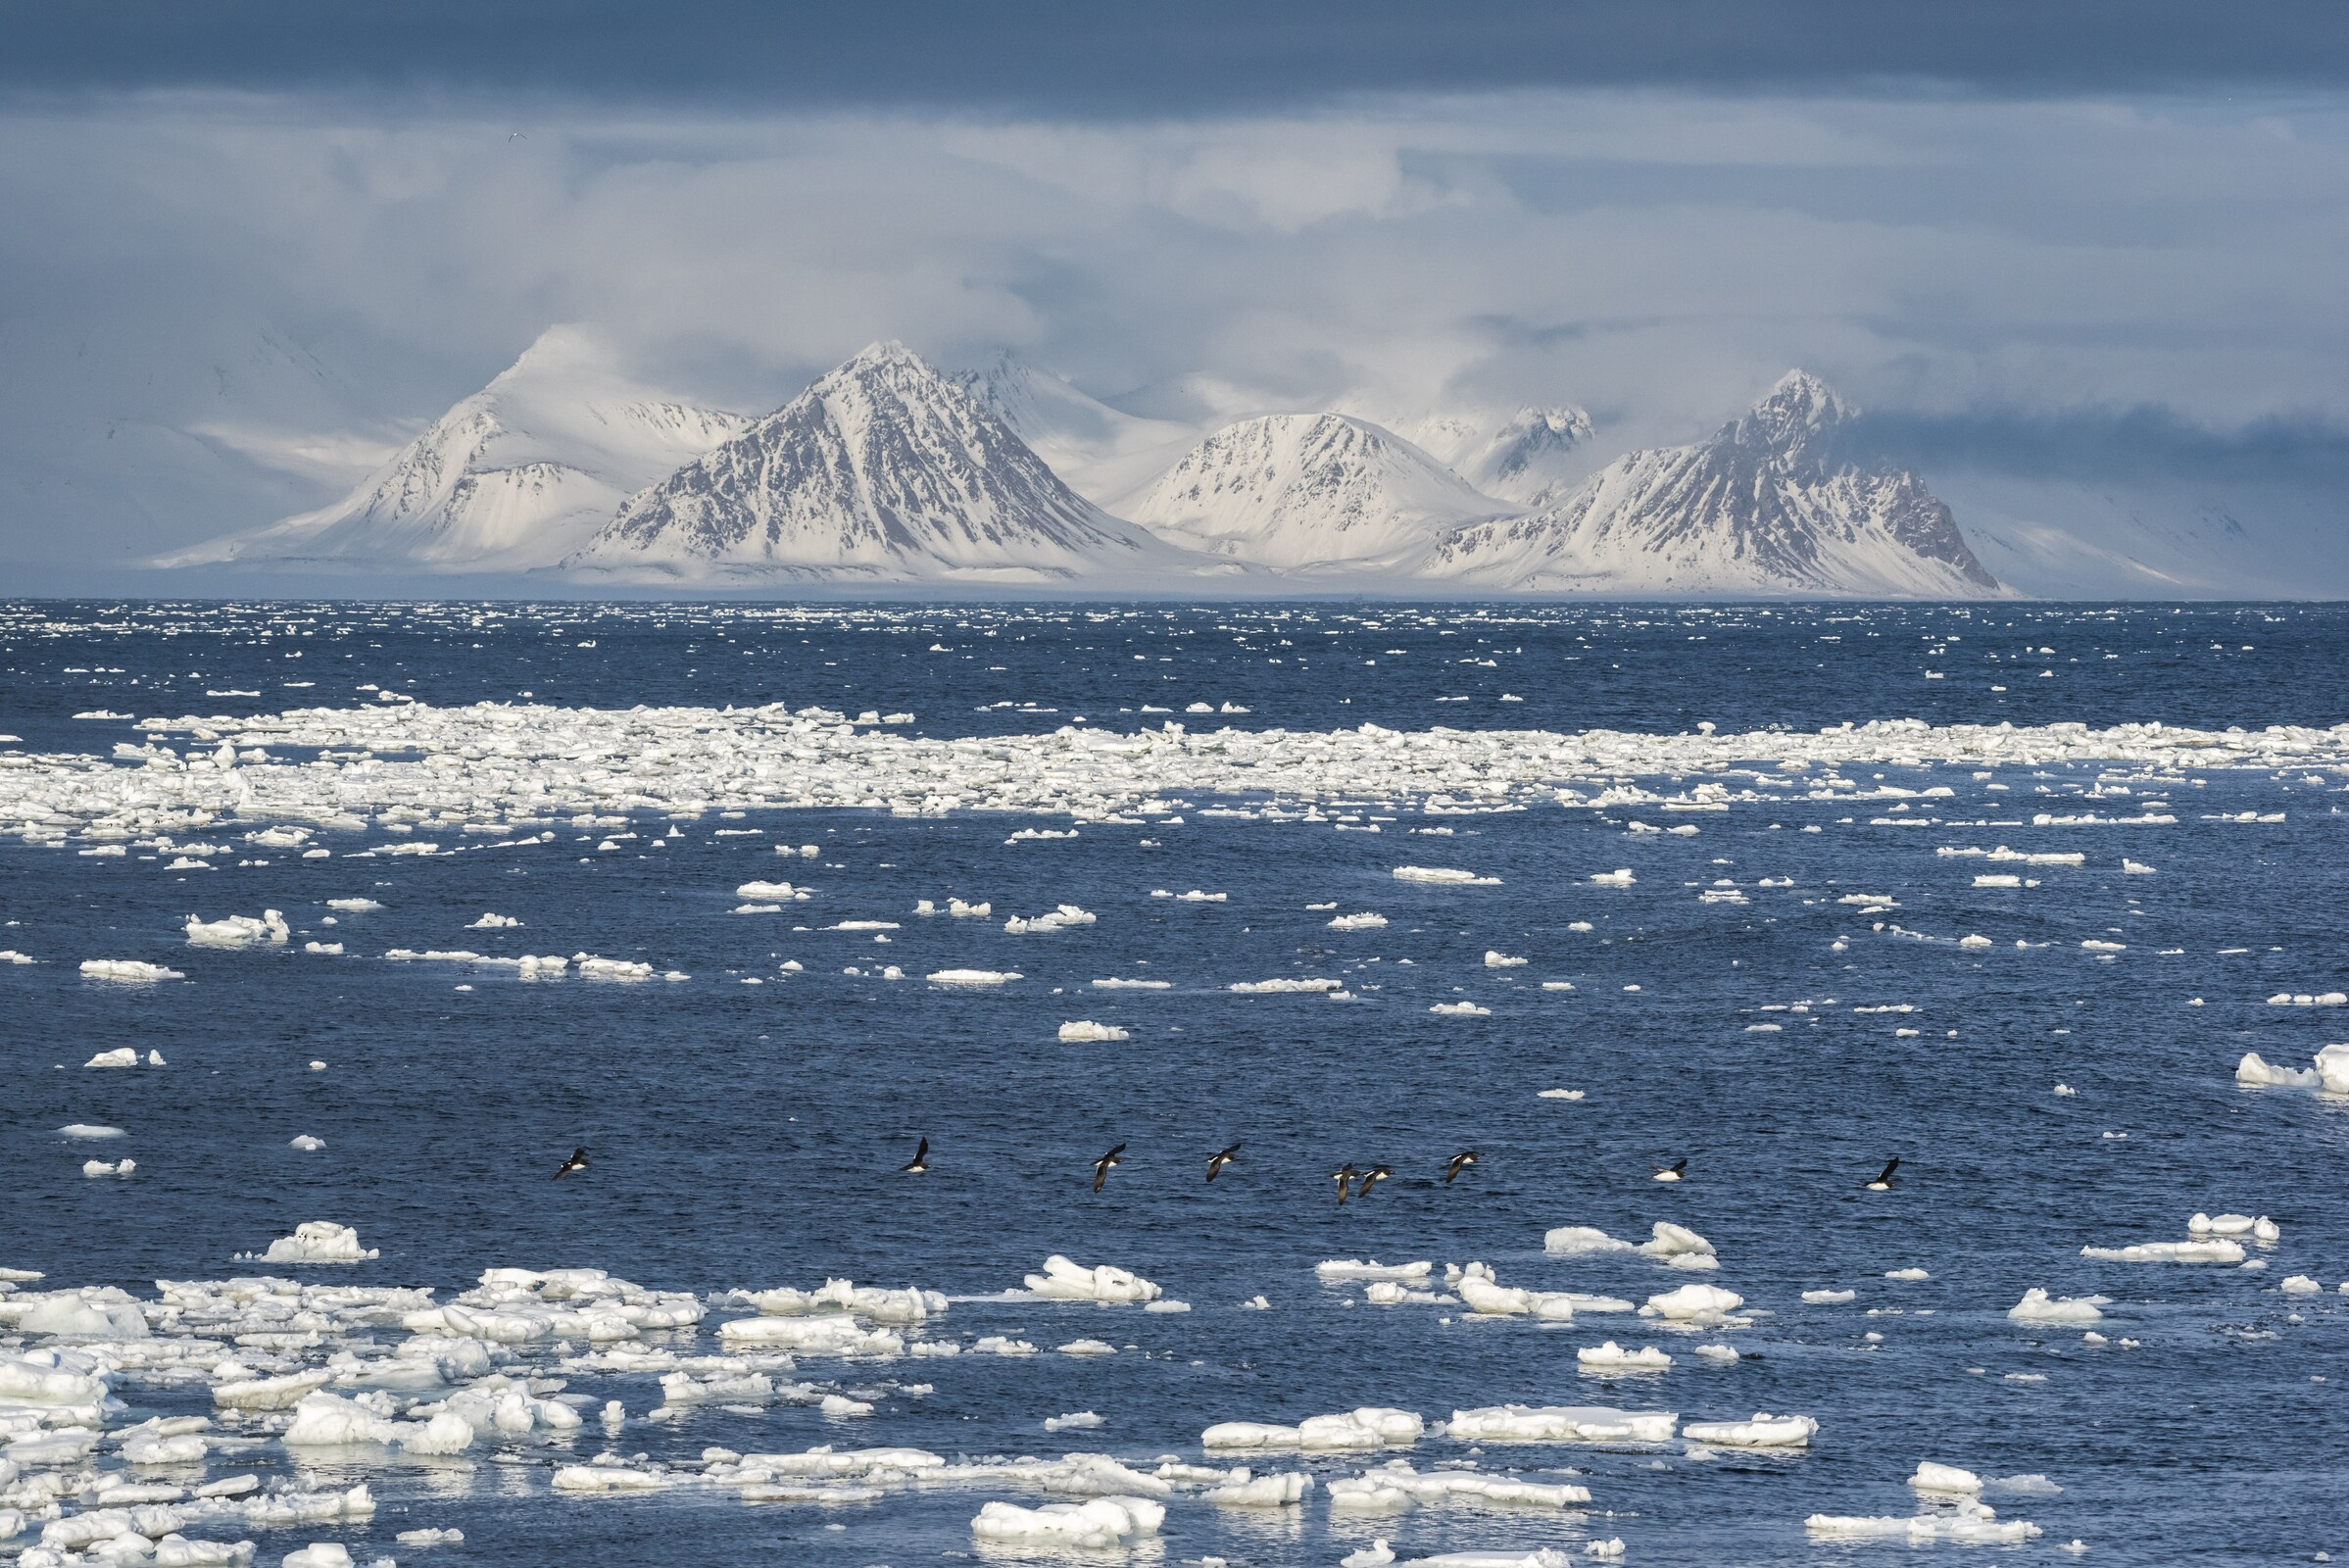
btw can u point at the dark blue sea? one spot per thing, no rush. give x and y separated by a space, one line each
749 1136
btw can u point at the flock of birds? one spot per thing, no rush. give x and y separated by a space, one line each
1352 1182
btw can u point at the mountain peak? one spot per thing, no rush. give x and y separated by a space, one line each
882 470
888 353
1799 404
1312 492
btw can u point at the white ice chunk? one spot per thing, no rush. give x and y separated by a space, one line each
1108 1284
2037 1306
1764 1431
319 1240
238 930
131 971
1560 1423
1693 1303
1097 1524
1085 1029
1369 1427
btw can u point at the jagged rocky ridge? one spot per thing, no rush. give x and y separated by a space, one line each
1768 504
883 471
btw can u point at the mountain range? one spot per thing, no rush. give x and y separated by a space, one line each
510 480
887 470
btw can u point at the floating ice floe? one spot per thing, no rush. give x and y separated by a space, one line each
1084 1029
1097 1524
1485 1297
1461 1009
1267 987
82 1130
972 977
238 930
306 1144
2259 1228
1133 985
1350 1268
1614 1357
131 970
1693 1304
493 922
770 891
1065 917
1560 1423
2037 1306
1945 1480
1365 921
91 1312
1829 1297
2329 1075
318 1240
1449 875
1970 1524
1575 1240
354 906
1106 1284
1621 877
2214 1249
1260 1491
1395 1485
1496 959
2308 999
911 1305
1764 1431
99 1167
1369 1427
329 1421
120 1056
1676 1245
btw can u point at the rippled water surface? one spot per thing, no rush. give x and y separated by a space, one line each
1783 1007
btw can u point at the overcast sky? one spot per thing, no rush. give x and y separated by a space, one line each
249 246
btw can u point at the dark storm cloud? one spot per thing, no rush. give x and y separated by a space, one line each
1088 59
2148 443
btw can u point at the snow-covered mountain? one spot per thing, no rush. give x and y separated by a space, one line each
881 472
1309 493
513 478
1101 452
1766 506
1526 455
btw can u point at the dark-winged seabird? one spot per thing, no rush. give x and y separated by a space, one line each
1220 1159
1103 1166
1883 1178
577 1162
1459 1163
1672 1172
1371 1178
1345 1176
919 1162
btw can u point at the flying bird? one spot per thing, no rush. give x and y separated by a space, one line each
919 1162
1371 1178
1672 1172
577 1162
1883 1178
1103 1166
1343 1176
1459 1163
1220 1159
517 136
